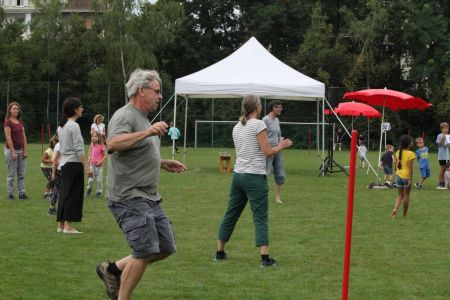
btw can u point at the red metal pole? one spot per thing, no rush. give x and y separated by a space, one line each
348 232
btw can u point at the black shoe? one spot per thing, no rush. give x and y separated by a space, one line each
268 263
23 196
10 197
51 211
98 194
88 193
220 256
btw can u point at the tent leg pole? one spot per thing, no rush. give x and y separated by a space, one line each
185 130
318 129
323 128
174 124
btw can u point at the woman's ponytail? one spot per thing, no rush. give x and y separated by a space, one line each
249 105
405 141
63 121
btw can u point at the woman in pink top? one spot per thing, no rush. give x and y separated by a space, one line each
15 150
97 155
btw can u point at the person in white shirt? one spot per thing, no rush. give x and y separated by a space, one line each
249 182
98 127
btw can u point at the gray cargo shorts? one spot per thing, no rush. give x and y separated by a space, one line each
146 226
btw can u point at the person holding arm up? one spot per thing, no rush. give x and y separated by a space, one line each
249 182
132 192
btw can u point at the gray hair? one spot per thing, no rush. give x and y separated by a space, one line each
249 105
140 78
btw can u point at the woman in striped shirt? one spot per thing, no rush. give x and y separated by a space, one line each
249 182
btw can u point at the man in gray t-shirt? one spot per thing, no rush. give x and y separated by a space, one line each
133 176
274 133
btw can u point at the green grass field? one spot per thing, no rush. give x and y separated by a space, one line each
391 259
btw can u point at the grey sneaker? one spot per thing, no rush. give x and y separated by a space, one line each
112 282
51 211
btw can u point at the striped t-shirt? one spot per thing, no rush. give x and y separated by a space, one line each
249 157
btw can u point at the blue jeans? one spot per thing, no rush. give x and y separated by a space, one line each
15 168
276 164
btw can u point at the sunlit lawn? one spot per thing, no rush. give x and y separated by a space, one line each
391 259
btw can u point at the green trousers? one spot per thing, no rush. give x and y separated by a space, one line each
253 188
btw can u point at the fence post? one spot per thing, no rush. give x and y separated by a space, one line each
7 93
57 103
109 97
47 112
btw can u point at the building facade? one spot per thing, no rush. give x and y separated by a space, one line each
23 11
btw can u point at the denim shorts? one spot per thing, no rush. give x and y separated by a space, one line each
424 172
387 170
145 225
401 182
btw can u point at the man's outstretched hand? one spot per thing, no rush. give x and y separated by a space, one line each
173 166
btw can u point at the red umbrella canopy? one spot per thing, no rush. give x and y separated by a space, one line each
327 111
356 109
394 100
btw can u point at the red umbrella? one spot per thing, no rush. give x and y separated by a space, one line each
391 99
355 109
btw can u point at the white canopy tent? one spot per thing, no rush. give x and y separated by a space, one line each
251 69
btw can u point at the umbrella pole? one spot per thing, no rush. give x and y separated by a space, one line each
381 143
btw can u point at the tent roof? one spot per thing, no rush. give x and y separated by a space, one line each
251 69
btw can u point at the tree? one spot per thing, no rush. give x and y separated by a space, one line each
320 55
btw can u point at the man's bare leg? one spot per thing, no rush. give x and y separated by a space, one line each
132 270
278 193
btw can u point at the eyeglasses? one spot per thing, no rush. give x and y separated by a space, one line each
158 91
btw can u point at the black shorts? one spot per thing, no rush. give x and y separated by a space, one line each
443 162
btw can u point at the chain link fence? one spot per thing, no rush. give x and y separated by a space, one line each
41 104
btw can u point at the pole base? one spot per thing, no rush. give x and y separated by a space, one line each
378 186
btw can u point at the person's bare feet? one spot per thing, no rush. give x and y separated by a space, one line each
394 213
71 230
278 201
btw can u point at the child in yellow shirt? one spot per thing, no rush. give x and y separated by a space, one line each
404 162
